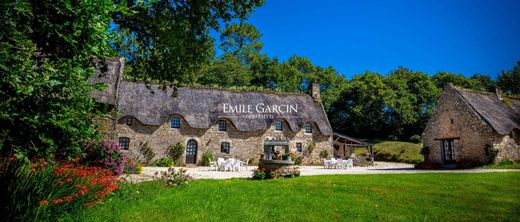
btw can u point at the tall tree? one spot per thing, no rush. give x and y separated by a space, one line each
168 40
509 81
242 40
484 81
47 50
442 79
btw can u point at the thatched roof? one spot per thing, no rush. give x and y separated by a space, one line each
502 115
110 75
202 107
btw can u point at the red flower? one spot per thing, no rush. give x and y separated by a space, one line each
44 202
69 180
68 199
57 201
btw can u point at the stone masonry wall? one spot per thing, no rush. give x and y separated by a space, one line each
243 145
455 118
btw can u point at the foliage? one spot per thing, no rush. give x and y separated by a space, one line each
397 197
272 174
259 174
208 156
324 154
163 162
47 52
106 154
169 40
133 167
176 151
491 152
311 148
174 178
296 158
415 139
146 151
508 80
241 40
40 191
425 151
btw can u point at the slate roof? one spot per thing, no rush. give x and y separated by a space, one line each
501 115
202 107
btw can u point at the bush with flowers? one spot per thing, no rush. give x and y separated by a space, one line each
133 167
284 172
106 154
39 190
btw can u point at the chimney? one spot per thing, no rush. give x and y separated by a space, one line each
315 91
498 92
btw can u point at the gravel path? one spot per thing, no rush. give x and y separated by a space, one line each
379 168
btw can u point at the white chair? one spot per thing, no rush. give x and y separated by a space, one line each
220 163
340 164
236 165
349 164
326 164
245 163
228 165
213 164
333 163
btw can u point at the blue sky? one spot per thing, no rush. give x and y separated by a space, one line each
461 36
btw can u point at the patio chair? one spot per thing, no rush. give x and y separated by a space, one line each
213 164
244 163
340 164
326 163
333 163
220 163
349 164
236 165
228 165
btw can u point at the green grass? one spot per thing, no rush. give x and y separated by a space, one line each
395 151
385 197
503 165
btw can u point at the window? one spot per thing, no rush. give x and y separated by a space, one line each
278 125
221 125
224 147
124 143
129 121
308 128
299 147
448 151
176 122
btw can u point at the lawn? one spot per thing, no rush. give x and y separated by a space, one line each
387 197
395 151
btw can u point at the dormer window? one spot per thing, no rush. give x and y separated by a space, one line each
308 128
129 121
176 122
278 126
222 125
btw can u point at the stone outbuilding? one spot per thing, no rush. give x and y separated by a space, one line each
471 128
227 122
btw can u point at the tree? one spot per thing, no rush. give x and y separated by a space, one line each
227 71
241 40
168 40
484 81
509 81
442 79
46 56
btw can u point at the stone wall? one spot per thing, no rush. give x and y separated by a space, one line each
245 145
454 118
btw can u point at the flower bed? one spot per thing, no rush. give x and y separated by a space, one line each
283 172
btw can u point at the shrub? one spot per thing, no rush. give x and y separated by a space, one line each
208 156
297 159
106 154
258 174
273 174
415 139
324 154
176 151
39 190
491 152
173 178
163 162
425 151
311 148
133 167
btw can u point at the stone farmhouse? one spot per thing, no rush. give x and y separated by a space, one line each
471 128
230 123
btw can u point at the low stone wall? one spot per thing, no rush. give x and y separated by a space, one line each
508 149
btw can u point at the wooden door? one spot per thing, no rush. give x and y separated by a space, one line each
191 152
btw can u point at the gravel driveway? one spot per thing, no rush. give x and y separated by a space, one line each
379 168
